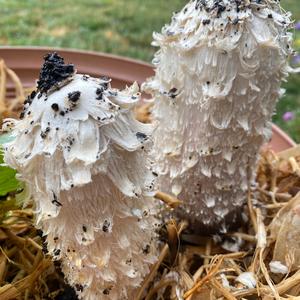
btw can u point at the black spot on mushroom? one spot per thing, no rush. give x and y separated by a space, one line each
55 107
99 93
44 248
28 100
55 200
173 93
105 83
70 140
85 77
146 249
106 292
56 252
114 94
22 114
74 96
141 136
33 94
45 133
79 287
105 226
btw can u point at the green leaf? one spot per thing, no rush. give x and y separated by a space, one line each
8 181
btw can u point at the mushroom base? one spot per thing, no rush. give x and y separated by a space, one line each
231 221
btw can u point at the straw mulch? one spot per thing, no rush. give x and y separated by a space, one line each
25 271
259 261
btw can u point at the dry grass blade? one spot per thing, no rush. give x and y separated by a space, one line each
162 284
213 270
152 273
20 94
251 211
173 241
10 106
3 106
267 276
168 199
25 271
226 293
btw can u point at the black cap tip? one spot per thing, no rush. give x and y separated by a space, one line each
53 72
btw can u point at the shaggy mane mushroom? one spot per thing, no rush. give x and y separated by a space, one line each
218 75
86 161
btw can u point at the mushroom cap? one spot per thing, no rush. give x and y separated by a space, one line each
79 119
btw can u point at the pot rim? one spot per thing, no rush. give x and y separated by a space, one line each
79 51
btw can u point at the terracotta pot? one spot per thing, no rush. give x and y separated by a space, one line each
26 62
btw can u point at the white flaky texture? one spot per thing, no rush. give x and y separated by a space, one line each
218 76
85 158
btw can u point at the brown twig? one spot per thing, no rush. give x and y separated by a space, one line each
168 199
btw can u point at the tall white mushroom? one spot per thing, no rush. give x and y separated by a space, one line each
218 76
85 158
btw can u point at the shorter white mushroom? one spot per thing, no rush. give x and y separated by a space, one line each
86 161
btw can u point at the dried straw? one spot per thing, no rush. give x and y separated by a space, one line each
9 107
